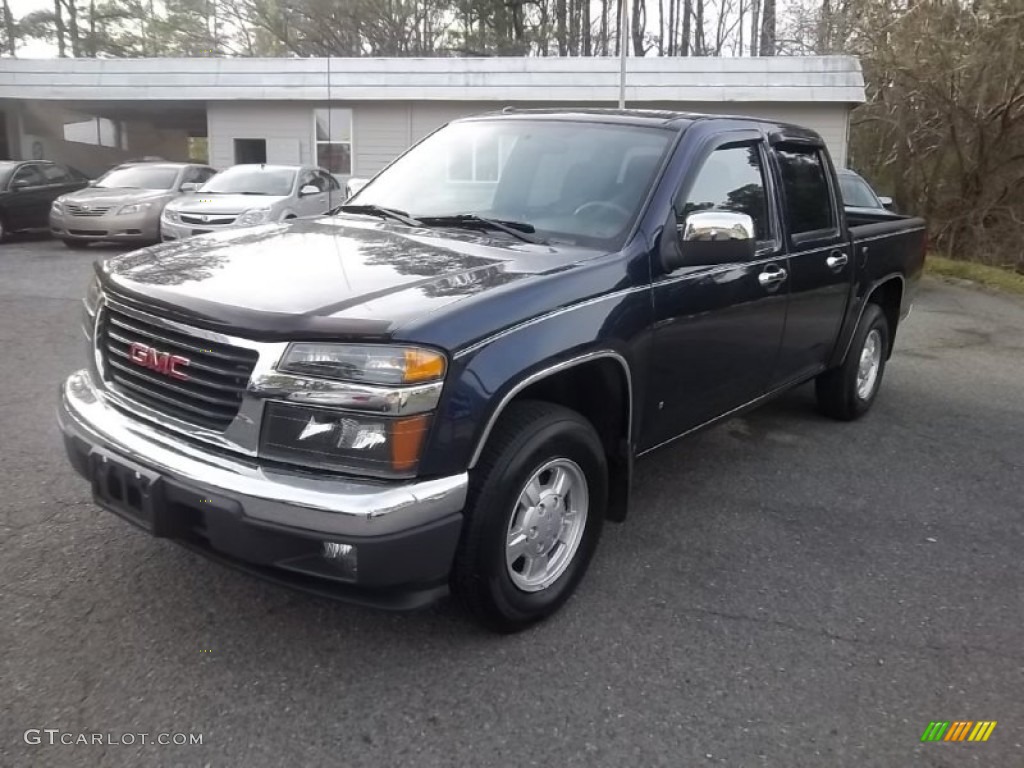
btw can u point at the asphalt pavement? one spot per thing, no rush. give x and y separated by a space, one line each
788 591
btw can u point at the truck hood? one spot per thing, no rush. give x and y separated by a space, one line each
342 277
200 203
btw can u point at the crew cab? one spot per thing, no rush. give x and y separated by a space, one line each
442 385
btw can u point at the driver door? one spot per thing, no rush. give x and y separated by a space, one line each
313 204
718 328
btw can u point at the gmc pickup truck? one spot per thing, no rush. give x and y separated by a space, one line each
442 385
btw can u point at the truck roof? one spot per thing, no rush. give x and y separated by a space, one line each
670 119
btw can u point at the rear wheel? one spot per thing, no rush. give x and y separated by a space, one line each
847 392
537 503
75 245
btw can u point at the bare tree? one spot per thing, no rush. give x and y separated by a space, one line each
767 45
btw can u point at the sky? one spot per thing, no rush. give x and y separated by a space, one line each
33 49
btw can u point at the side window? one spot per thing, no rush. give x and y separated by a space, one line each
805 187
54 174
203 175
732 179
330 181
28 176
190 176
315 179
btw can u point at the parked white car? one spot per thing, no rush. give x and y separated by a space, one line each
247 195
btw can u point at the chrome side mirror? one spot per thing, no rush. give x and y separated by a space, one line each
887 203
708 238
189 186
308 190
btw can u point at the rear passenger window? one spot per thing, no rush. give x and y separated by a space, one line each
805 186
732 179
54 174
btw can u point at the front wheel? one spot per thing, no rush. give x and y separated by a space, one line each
847 392
537 503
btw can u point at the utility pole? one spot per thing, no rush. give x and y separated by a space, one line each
623 46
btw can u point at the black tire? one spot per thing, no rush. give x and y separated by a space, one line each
837 389
75 245
527 436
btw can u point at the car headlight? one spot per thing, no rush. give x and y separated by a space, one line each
253 216
364 363
172 216
57 206
338 440
134 208
92 295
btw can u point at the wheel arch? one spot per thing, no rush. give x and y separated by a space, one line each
886 292
579 383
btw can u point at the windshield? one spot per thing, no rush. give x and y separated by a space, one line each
251 180
139 177
582 182
857 193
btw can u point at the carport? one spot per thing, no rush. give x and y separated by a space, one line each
93 135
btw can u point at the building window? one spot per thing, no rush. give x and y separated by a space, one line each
97 131
250 151
334 140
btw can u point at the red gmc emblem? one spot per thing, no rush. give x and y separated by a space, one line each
162 362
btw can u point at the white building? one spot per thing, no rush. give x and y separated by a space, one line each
355 115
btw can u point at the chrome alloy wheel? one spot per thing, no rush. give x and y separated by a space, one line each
870 363
547 525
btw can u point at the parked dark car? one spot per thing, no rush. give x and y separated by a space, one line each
28 189
445 384
860 199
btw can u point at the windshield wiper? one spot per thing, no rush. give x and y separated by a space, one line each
518 229
377 210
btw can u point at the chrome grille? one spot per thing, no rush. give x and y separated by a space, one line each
218 374
87 210
211 219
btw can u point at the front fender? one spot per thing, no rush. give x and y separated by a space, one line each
484 378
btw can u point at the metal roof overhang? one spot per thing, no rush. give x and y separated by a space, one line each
836 79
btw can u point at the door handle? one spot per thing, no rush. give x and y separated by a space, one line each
772 276
837 260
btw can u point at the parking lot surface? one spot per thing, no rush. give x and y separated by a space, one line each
788 591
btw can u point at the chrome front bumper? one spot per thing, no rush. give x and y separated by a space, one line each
144 226
326 504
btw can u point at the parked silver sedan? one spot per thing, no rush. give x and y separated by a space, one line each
124 204
247 195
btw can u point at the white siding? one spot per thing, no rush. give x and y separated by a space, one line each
281 125
382 132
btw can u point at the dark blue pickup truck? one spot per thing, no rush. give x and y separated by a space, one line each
443 384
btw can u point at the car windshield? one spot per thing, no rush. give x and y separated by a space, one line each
139 177
857 193
251 180
577 181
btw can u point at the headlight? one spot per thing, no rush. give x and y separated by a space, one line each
329 439
92 295
364 363
134 208
253 216
57 206
172 216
